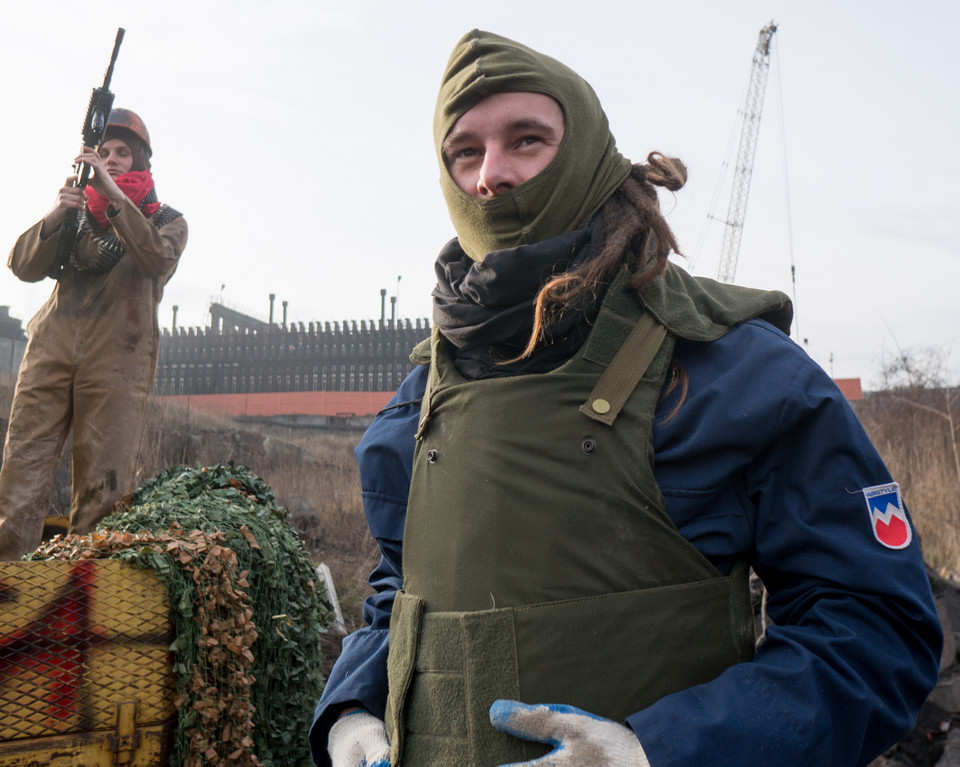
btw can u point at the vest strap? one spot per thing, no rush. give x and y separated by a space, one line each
625 371
432 375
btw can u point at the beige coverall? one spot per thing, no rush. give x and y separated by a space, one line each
89 365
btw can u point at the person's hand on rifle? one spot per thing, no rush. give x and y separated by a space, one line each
69 196
111 161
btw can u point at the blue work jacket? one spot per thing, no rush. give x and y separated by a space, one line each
766 460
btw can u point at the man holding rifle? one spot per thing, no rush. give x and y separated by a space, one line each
92 348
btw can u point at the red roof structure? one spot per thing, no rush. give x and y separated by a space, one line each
850 387
307 403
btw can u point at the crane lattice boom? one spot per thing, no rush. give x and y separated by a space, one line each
752 110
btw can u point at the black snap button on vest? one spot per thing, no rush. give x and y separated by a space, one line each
432 456
588 445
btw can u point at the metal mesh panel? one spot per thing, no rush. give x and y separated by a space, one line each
77 638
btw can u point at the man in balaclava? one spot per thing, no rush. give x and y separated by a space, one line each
586 171
548 594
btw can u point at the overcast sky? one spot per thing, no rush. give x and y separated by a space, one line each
295 136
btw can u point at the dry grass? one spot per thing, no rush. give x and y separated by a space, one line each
916 445
312 473
8 381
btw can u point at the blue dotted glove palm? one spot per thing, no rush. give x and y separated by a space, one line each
358 739
579 739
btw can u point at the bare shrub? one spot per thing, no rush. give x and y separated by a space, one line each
915 448
913 421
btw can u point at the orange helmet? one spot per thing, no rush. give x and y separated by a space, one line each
126 119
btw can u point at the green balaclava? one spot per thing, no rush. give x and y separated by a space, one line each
586 170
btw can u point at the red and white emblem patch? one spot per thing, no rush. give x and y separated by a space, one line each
887 516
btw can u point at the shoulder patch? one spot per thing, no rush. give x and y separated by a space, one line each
887 516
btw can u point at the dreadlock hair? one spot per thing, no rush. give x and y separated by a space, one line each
635 234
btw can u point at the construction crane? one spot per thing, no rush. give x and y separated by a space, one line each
753 107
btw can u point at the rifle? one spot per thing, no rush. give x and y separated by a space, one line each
94 126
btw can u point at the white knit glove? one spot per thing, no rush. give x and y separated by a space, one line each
579 739
358 739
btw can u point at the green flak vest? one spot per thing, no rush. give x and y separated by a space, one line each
539 561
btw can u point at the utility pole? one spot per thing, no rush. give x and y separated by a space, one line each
397 302
753 107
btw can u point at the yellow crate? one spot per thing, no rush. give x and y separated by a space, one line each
85 675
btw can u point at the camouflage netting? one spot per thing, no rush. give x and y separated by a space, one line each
245 606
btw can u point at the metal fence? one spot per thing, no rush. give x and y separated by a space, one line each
347 356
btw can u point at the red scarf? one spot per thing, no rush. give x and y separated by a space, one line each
136 185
